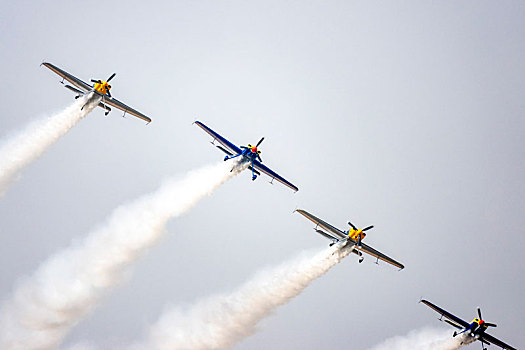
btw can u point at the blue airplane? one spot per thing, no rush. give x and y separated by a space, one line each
475 330
248 153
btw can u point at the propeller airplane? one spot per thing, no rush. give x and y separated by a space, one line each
248 153
352 236
100 88
475 330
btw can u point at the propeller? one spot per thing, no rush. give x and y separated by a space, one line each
486 324
100 82
260 141
368 228
352 225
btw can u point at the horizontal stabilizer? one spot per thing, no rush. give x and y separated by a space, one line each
453 324
103 106
77 91
255 171
322 233
225 150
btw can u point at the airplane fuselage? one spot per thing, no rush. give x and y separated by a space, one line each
475 329
248 154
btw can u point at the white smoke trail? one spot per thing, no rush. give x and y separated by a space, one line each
28 144
66 286
221 321
425 339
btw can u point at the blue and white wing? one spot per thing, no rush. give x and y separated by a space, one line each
446 314
487 338
264 169
227 146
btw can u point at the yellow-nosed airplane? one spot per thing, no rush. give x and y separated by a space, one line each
100 89
353 237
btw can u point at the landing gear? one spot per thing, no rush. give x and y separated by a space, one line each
361 259
77 96
106 113
253 172
455 333
226 158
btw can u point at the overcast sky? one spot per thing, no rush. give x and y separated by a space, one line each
405 115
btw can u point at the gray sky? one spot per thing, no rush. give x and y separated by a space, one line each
405 115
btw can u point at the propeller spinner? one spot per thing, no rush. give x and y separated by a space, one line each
255 150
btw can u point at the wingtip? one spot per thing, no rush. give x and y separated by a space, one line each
300 211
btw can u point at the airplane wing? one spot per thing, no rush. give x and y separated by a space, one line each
228 147
446 314
487 338
126 109
83 86
335 231
369 250
263 168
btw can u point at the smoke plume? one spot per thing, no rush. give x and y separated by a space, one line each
48 304
425 339
221 321
27 145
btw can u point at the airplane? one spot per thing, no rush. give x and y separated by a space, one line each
100 88
248 153
352 236
475 329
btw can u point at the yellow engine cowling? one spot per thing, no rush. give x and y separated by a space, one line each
354 234
102 87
